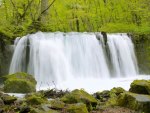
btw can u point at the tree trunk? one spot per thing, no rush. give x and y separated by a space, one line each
44 6
44 10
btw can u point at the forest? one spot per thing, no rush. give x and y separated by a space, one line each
20 17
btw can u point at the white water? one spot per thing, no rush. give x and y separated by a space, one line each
56 58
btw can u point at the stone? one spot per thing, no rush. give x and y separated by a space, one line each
137 102
140 87
19 83
76 108
116 91
8 99
102 96
44 108
35 99
113 96
57 104
77 96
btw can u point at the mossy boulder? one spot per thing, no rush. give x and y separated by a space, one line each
77 96
116 91
76 108
19 83
140 87
102 96
8 99
106 94
138 102
57 104
41 110
35 99
113 96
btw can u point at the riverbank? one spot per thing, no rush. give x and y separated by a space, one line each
116 100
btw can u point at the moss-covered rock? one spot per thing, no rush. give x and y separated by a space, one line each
8 99
77 96
77 108
140 86
35 99
102 96
57 104
114 93
19 83
41 110
138 102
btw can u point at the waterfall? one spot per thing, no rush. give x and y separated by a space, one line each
60 56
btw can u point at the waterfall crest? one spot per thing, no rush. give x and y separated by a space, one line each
59 56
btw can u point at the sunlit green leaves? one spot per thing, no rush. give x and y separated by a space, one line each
92 15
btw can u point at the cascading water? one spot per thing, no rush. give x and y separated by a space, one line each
65 56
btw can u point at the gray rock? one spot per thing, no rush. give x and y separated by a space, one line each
138 102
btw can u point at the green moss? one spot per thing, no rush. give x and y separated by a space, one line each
35 100
134 101
19 83
8 99
21 75
77 96
114 93
142 47
57 104
77 108
140 87
36 110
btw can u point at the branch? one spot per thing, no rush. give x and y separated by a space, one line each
29 4
14 5
45 10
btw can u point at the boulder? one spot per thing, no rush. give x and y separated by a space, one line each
77 96
140 87
35 99
42 110
102 96
138 102
117 91
8 99
76 108
57 104
19 83
113 96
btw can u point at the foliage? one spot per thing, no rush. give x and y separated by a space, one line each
21 17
